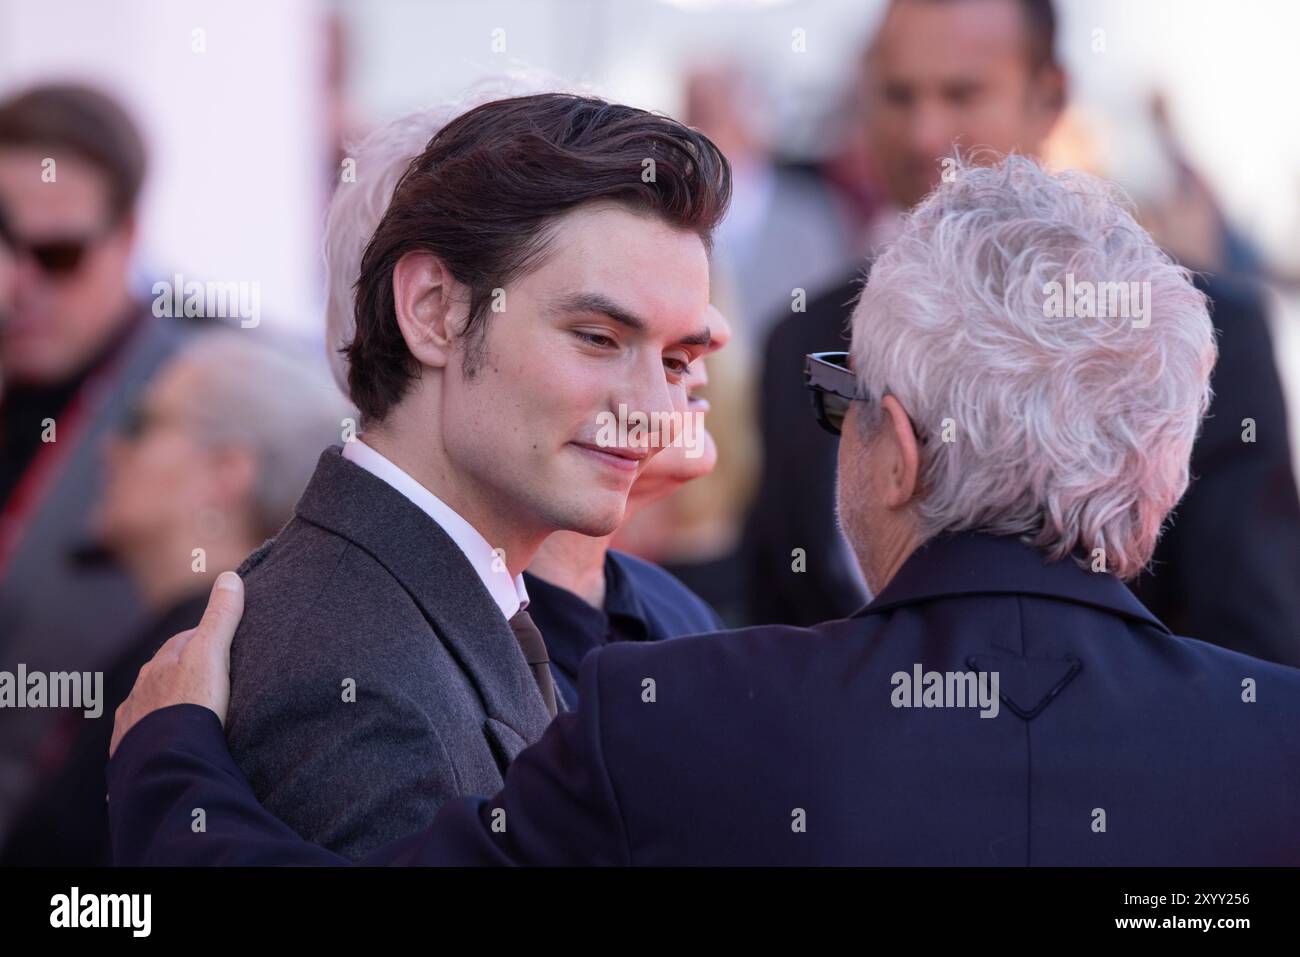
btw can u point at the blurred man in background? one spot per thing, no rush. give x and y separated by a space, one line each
971 74
206 466
74 352
782 229
937 73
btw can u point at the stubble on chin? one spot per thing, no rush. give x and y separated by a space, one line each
587 517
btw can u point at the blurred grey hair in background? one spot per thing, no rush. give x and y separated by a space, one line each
1074 433
263 395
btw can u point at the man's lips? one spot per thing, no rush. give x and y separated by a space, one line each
623 459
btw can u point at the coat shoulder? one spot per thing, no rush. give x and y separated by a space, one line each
317 601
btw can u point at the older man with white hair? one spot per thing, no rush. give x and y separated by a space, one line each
1004 464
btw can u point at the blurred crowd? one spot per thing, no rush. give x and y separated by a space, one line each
142 454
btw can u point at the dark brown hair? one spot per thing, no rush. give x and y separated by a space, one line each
82 121
484 193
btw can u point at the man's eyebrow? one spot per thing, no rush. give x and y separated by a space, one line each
598 302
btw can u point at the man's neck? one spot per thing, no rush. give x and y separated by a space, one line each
574 562
892 548
518 540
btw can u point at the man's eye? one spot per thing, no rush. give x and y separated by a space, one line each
594 339
962 95
678 366
898 96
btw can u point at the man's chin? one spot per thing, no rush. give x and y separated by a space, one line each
594 516
600 526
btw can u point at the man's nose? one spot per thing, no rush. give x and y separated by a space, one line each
932 131
650 394
719 329
699 377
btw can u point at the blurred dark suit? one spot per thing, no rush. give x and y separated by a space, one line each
57 615
1227 568
795 504
65 823
1226 571
642 603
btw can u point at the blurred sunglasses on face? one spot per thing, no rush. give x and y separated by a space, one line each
134 422
59 257
138 420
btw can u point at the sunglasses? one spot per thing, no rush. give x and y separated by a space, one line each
834 386
57 258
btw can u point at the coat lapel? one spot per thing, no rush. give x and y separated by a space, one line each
346 499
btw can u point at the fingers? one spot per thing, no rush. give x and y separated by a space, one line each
191 666
225 607
171 648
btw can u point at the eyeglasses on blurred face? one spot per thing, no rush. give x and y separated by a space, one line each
139 419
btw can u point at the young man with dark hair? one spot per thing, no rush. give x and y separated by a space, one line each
542 264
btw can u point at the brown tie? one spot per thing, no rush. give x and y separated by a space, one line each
534 649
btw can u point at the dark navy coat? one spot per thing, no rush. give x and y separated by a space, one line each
1115 742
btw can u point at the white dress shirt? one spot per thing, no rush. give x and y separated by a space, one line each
509 594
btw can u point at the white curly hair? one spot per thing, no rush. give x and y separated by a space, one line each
1073 433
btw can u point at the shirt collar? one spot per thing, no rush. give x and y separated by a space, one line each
969 563
509 594
622 599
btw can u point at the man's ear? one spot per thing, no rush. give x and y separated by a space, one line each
902 454
424 302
